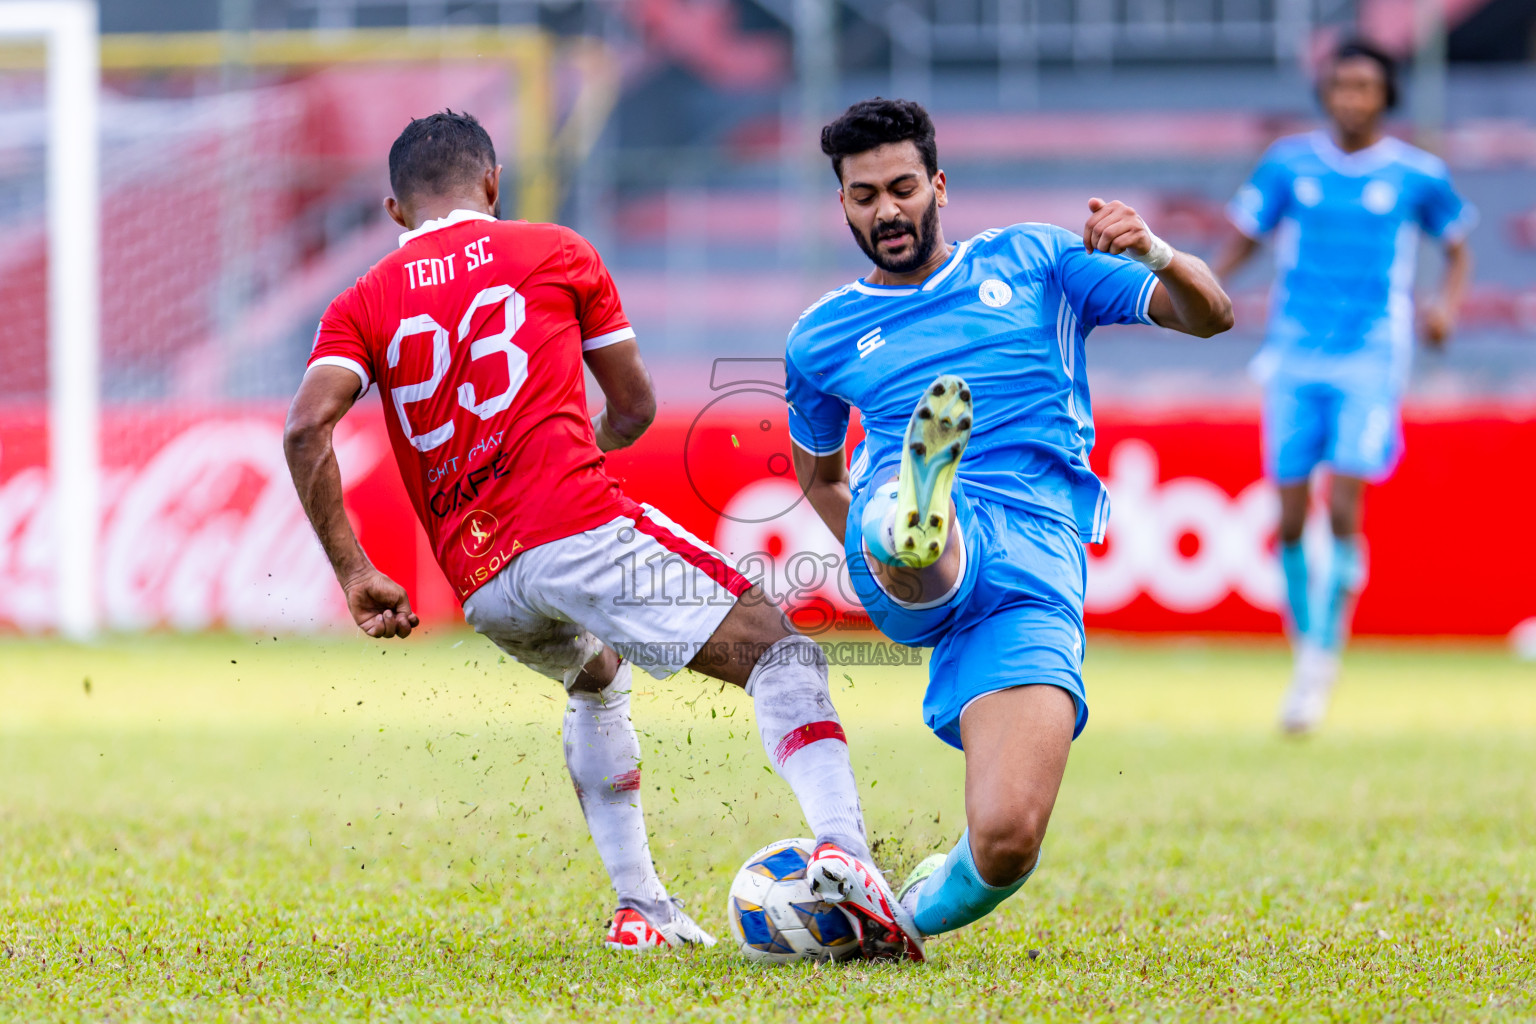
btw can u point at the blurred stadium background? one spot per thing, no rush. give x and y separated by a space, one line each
242 164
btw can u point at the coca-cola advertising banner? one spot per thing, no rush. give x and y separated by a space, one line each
201 528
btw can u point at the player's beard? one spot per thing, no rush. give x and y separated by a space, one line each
923 241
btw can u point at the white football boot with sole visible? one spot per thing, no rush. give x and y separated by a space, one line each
858 889
1312 682
632 932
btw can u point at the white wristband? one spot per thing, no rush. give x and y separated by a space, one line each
1157 257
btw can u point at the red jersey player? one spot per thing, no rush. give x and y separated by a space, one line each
475 331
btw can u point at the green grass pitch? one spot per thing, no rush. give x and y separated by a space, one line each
246 828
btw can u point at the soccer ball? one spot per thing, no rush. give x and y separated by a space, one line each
774 915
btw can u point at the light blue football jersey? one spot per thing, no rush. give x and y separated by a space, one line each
1008 312
1347 229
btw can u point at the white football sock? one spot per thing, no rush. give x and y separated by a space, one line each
602 753
805 742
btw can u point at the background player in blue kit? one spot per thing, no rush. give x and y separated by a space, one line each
980 558
1347 209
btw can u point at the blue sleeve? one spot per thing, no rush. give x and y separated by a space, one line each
1261 202
1442 213
1100 288
818 422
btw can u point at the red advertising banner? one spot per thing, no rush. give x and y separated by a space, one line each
201 529
1191 538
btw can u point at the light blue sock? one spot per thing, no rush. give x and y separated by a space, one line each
1293 565
955 895
1345 574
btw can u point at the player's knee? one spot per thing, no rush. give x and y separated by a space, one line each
753 628
792 650
596 674
1005 845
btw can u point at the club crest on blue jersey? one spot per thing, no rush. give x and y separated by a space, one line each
995 293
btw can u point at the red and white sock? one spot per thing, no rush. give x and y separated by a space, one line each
602 753
805 742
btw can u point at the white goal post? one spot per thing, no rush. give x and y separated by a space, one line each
69 31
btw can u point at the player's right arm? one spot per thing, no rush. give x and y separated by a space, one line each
337 376
1254 212
824 479
1184 295
818 426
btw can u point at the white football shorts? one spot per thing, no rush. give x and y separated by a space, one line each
639 583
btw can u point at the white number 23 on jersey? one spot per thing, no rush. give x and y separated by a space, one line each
496 344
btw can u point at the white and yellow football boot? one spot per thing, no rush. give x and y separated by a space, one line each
937 434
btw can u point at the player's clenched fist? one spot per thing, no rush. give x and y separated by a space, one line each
380 606
1115 228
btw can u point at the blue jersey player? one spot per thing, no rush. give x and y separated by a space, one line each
965 511
1346 209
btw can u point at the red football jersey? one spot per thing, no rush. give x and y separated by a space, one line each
474 331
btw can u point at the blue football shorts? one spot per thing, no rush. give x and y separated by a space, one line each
1356 432
1015 619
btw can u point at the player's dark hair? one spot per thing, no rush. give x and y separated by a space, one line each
872 123
438 153
1352 48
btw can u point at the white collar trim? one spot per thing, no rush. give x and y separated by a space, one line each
949 267
882 289
933 281
1357 163
456 217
